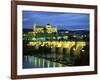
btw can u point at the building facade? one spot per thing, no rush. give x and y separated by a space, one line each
47 29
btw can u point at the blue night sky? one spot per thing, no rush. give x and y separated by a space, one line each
69 21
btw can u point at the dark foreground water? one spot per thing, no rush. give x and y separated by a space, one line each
30 61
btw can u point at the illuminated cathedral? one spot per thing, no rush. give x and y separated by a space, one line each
47 29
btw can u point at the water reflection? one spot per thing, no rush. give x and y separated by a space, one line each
36 62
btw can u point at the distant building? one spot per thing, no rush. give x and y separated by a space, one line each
38 29
47 29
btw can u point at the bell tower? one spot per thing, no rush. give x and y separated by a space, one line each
34 27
